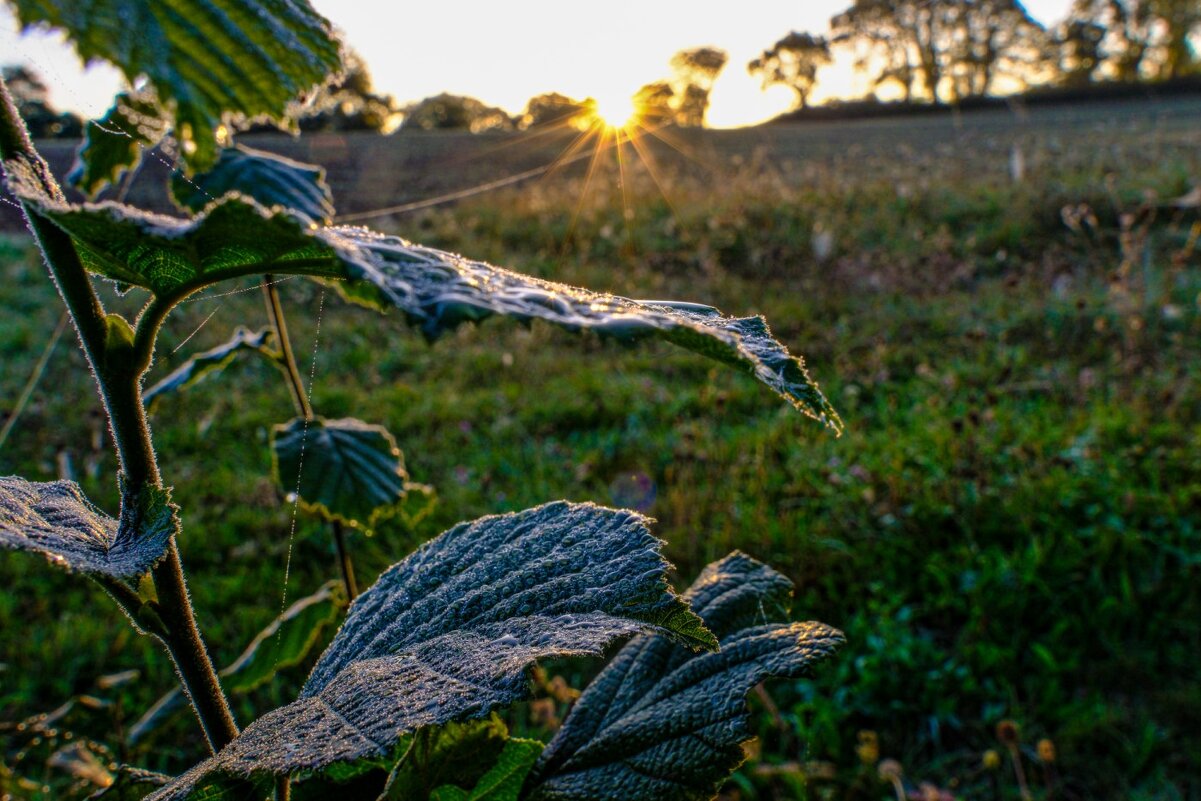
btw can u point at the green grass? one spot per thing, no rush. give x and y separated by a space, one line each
1008 530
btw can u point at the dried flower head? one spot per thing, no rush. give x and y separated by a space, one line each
1046 751
1009 733
890 770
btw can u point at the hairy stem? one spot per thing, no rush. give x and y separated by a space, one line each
275 311
118 378
304 407
348 580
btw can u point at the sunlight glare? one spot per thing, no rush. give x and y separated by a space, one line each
615 110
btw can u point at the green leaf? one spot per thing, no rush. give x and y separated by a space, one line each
55 520
448 633
202 365
344 470
114 144
503 781
269 179
455 754
435 290
285 643
131 784
662 724
211 62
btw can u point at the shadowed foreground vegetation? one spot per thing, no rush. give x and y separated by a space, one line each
1006 315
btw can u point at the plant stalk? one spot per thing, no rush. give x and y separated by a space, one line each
300 398
118 378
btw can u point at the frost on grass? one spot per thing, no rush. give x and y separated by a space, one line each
55 520
663 724
448 633
435 290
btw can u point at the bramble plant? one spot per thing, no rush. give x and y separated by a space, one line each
401 703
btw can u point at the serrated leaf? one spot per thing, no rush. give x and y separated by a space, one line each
269 179
114 144
211 361
662 724
344 470
285 643
501 783
211 62
435 290
448 633
131 784
55 520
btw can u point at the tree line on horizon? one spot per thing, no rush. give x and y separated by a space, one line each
914 51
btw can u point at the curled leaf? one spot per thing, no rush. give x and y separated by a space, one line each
211 361
435 290
267 178
662 724
55 520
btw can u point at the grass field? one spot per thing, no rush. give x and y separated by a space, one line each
1005 311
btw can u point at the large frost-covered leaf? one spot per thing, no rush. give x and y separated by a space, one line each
435 290
662 724
344 470
270 179
448 633
55 520
210 61
211 361
115 143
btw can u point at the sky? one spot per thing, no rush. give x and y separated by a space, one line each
506 52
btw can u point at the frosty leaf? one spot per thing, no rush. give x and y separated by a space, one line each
503 781
448 633
210 361
661 724
269 179
210 61
285 643
344 470
114 143
55 520
435 290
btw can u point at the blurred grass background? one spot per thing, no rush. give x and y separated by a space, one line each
1005 311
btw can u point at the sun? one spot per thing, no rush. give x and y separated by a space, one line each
614 110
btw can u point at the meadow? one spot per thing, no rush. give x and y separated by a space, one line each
1005 308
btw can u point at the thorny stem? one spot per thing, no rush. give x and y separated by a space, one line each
118 378
304 407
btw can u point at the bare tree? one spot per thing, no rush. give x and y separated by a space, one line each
793 62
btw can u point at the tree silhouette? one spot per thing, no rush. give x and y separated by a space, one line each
695 71
554 109
455 112
1144 37
1078 51
943 48
793 62
654 104
32 97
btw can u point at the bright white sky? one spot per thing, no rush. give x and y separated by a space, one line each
506 52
